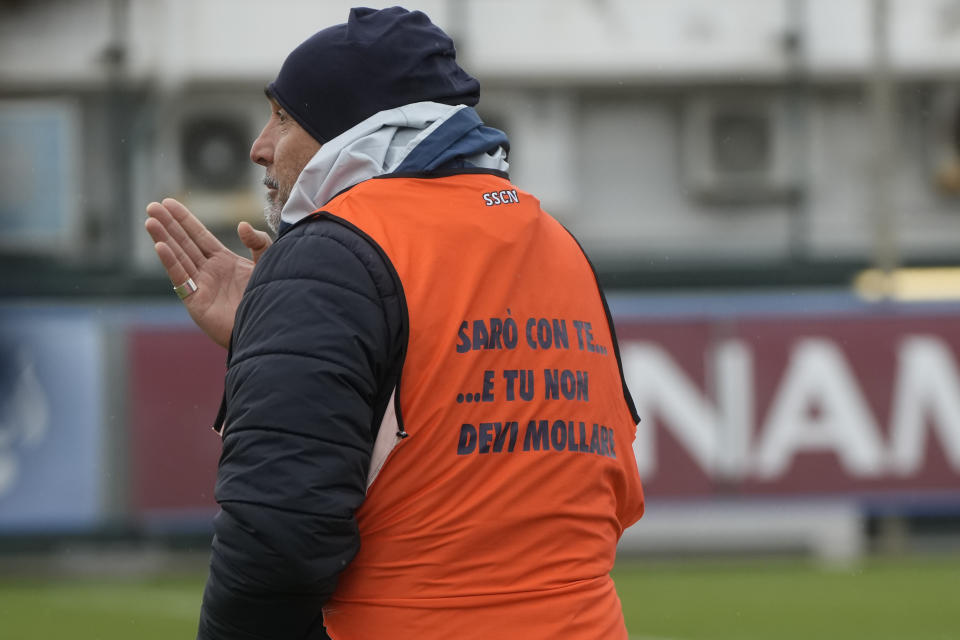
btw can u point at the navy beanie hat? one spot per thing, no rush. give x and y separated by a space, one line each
378 60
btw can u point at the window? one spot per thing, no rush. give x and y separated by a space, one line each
38 175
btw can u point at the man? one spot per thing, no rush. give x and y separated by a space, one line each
426 432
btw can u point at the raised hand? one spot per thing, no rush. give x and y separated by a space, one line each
188 250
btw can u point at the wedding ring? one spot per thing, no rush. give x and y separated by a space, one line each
185 289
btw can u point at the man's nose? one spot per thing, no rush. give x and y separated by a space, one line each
262 150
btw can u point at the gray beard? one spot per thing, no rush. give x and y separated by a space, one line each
271 213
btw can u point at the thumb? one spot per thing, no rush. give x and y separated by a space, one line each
256 241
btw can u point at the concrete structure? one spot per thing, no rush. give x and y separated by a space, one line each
664 133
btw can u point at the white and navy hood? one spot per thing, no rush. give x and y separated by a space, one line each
418 138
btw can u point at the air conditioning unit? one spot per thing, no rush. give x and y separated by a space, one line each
213 152
736 149
194 146
202 157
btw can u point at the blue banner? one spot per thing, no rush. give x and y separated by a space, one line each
52 383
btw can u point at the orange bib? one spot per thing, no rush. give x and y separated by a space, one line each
497 514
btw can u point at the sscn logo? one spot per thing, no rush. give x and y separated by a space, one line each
493 198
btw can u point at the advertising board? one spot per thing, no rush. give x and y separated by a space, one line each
51 419
862 403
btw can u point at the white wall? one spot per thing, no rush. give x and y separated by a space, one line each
592 93
544 40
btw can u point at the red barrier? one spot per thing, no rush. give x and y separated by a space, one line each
176 382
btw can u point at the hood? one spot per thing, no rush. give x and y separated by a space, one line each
415 138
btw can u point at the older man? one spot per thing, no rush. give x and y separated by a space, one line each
426 432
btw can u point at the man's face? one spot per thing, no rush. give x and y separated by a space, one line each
284 149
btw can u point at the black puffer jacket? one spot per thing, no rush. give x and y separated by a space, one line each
316 352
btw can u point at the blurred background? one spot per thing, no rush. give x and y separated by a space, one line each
769 189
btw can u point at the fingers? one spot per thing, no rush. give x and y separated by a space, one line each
256 241
176 237
159 232
201 236
175 270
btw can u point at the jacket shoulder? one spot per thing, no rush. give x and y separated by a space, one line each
323 249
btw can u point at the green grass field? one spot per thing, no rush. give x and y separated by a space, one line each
914 598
